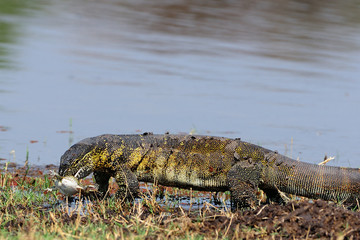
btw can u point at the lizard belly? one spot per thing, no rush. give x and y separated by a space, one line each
186 170
182 179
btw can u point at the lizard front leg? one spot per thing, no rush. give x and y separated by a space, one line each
243 180
127 182
102 181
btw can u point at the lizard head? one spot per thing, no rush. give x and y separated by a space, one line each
74 159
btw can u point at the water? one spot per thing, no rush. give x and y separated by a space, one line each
265 71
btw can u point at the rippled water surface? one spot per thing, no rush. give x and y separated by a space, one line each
265 71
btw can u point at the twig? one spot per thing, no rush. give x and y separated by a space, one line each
261 210
307 233
326 160
227 230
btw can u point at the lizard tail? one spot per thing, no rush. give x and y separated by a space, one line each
313 181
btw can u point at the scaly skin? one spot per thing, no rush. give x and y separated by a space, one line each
204 163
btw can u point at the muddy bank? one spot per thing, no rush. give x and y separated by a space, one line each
304 219
295 220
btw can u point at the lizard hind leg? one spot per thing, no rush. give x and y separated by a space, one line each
243 181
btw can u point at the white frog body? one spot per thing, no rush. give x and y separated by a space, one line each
68 185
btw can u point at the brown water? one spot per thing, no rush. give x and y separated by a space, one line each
265 71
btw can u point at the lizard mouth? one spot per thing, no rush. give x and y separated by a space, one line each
62 169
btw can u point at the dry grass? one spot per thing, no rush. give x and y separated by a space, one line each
27 212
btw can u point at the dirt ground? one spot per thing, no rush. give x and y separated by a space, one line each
301 220
304 219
